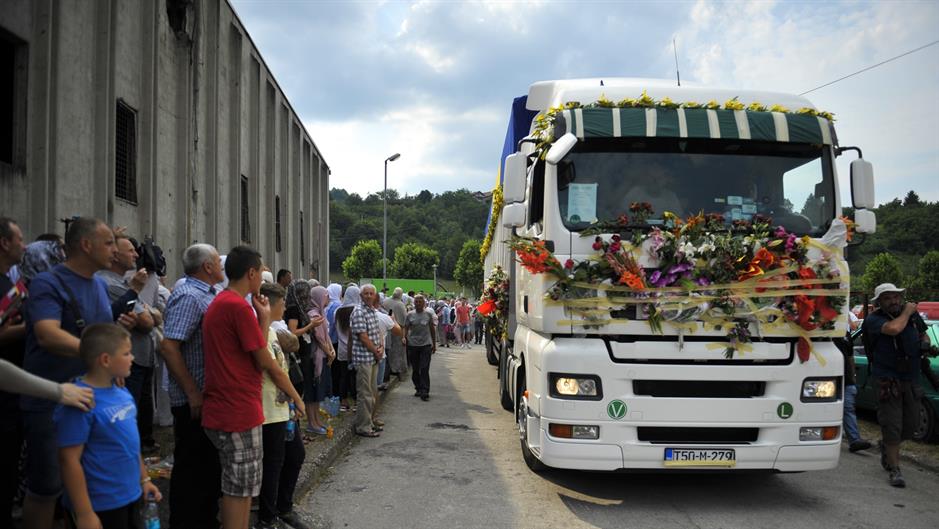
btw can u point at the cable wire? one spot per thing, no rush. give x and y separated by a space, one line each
933 43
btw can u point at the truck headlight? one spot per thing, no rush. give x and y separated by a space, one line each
821 389
567 386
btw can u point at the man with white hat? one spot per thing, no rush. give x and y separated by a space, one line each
894 334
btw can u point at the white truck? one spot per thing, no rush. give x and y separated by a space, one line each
682 366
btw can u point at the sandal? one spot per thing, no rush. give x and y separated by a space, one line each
372 433
378 428
378 422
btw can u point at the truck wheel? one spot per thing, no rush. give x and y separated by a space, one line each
534 464
504 396
926 427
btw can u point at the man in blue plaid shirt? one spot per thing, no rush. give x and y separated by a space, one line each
367 350
196 478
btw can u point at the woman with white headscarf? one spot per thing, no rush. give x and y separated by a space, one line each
346 386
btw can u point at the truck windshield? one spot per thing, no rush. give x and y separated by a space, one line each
790 183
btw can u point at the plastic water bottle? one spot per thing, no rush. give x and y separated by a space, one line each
291 424
152 515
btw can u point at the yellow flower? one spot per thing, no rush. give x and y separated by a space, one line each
733 104
827 115
691 104
626 103
572 104
713 104
807 110
668 103
603 102
778 108
756 107
645 101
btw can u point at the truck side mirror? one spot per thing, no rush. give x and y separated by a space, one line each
862 184
865 221
515 178
561 147
513 215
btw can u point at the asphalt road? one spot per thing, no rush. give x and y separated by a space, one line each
454 462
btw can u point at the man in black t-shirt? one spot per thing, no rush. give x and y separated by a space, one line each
892 334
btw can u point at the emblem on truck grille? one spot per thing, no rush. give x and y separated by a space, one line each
616 409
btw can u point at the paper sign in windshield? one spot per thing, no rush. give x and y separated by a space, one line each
582 203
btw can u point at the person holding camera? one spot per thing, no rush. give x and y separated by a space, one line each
895 336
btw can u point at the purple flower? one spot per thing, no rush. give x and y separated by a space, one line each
679 268
654 278
703 281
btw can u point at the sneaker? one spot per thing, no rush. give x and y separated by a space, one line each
294 521
425 398
318 431
860 444
896 478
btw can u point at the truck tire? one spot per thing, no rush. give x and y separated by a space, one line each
505 397
491 355
534 464
926 427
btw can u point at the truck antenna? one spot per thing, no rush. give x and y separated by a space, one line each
677 73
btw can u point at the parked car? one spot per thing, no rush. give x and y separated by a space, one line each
928 427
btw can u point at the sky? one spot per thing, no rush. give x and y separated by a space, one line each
434 80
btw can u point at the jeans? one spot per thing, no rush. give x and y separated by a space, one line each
419 356
282 462
11 444
140 385
196 480
850 419
479 332
382 364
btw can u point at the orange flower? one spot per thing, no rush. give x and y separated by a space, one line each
763 260
632 280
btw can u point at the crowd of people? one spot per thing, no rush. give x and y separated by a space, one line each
243 359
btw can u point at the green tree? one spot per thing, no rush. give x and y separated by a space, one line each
883 268
469 270
926 284
363 261
414 261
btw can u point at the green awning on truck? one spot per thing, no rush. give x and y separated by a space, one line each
588 123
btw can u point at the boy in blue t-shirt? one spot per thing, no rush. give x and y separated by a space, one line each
99 450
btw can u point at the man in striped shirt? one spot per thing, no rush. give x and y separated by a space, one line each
367 350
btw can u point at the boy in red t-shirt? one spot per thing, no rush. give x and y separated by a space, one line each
235 345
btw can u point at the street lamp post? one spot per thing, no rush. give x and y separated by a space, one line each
435 281
384 244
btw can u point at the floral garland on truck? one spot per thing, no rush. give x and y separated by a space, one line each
494 302
728 277
495 213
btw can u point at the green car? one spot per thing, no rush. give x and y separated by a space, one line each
928 427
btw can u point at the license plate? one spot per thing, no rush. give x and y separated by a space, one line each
700 457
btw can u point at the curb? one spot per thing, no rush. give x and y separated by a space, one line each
925 463
321 454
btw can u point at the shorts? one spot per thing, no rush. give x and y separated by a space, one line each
898 413
42 454
466 328
126 517
240 455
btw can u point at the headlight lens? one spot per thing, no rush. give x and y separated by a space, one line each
575 386
820 389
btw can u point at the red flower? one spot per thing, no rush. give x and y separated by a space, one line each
598 244
569 264
804 348
615 247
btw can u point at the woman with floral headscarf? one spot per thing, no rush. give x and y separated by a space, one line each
301 325
322 356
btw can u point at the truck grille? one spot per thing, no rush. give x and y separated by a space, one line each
700 389
656 434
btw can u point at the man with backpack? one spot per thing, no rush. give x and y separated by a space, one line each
63 302
894 336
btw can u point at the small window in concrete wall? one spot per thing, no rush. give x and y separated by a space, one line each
277 223
7 102
125 153
245 211
302 241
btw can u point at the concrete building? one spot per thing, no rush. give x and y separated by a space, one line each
158 115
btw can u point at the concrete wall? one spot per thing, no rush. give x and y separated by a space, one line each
209 112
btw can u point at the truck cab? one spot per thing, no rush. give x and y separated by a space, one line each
600 389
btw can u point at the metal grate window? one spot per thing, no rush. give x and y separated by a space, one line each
245 211
302 241
277 223
125 153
